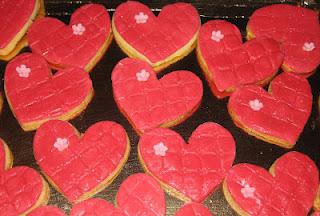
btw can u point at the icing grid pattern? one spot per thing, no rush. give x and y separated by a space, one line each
20 188
86 162
193 209
61 47
95 207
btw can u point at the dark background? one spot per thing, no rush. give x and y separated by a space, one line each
102 107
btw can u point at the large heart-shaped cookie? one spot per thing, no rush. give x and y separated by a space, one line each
277 116
35 95
192 171
139 194
296 28
21 190
6 157
289 190
79 44
229 64
148 102
193 209
80 166
160 40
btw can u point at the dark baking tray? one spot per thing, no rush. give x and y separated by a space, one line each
103 107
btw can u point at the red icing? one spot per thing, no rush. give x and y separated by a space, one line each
285 111
231 63
47 211
290 192
3 158
14 15
59 93
196 169
193 209
316 214
55 41
148 104
86 161
20 188
292 26
160 36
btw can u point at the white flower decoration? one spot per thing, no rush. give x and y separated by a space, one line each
61 144
160 149
255 105
308 46
247 191
217 36
23 71
143 75
78 29
141 18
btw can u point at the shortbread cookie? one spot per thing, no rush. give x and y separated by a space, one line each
160 40
289 187
227 63
298 31
150 103
6 157
277 116
22 189
80 44
189 172
80 166
47 211
193 209
316 203
36 96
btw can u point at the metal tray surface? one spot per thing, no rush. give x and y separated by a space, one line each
103 107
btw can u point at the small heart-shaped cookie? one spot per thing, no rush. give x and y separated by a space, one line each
80 44
47 211
189 172
36 96
150 103
6 157
160 40
277 116
22 189
289 188
296 28
139 194
193 209
229 64
80 166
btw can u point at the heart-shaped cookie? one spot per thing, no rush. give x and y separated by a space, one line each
47 211
289 188
160 40
22 189
80 166
139 194
189 172
36 96
277 116
80 44
148 102
6 157
193 209
296 28
316 203
227 63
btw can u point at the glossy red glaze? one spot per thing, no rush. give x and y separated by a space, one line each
61 47
193 209
47 211
232 64
195 169
292 26
290 191
20 189
41 95
151 103
161 36
286 108
78 165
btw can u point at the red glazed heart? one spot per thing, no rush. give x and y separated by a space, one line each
139 194
193 209
278 116
148 102
47 211
158 40
6 157
288 190
79 44
296 28
80 166
21 190
192 171
35 95
229 64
